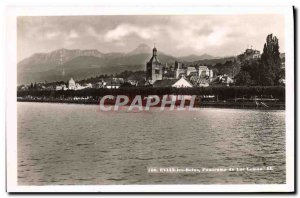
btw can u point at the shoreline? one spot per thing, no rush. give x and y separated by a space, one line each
230 105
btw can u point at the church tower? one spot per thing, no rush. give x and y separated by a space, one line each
154 70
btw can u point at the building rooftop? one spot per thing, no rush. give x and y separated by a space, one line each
222 80
164 83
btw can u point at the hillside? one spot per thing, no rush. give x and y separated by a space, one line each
214 61
62 64
193 57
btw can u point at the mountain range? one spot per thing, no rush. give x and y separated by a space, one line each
63 63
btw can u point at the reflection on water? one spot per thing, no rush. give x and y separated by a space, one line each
77 144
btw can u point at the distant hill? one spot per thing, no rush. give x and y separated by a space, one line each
45 61
193 57
141 49
214 61
62 64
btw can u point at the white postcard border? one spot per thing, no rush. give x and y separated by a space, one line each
11 103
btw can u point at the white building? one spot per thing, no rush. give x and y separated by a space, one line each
72 84
76 86
203 71
61 87
101 84
211 74
190 70
88 85
119 80
112 86
133 82
79 87
223 80
180 72
182 82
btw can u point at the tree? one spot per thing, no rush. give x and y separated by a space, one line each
270 61
252 67
266 70
243 78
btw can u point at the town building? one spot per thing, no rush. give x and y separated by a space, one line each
211 74
154 69
112 85
88 85
181 83
72 84
180 75
249 54
190 70
119 80
23 87
133 82
61 87
180 72
203 71
79 86
222 80
101 84
199 81
177 65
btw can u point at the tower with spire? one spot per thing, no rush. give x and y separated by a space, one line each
154 69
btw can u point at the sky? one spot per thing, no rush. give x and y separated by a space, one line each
217 35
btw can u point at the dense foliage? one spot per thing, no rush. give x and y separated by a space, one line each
265 71
230 68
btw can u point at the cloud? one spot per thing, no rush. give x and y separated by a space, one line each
124 30
51 35
198 38
176 35
73 34
92 32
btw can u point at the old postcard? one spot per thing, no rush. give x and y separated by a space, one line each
115 99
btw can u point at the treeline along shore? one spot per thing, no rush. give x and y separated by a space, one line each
270 97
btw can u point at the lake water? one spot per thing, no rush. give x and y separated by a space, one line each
78 144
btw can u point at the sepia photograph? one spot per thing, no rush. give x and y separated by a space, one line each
166 98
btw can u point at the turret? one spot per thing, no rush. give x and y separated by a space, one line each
154 51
